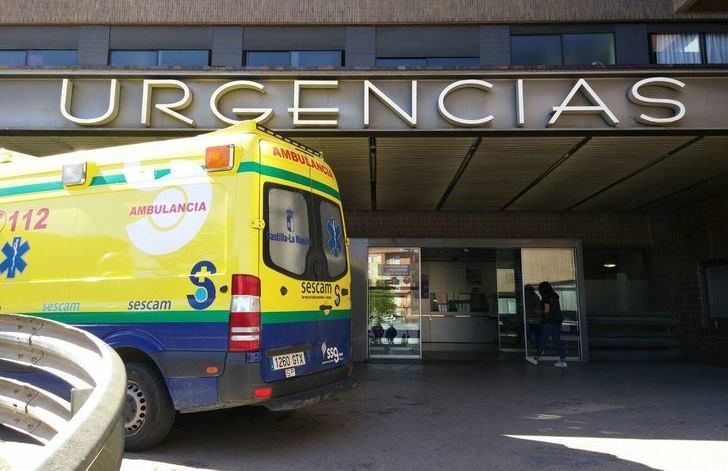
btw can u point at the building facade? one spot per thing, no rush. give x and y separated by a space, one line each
481 147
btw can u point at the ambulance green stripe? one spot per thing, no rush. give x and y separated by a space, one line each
303 316
167 317
32 188
159 173
286 175
108 180
135 317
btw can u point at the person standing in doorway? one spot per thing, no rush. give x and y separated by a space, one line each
551 320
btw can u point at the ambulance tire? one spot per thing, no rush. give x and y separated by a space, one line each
150 406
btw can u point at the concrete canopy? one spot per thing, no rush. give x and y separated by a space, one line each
494 173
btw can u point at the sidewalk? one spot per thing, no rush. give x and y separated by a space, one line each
491 415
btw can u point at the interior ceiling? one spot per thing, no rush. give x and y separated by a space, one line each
530 173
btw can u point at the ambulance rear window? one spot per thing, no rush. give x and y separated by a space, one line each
333 238
289 238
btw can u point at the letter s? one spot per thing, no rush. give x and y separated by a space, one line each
638 99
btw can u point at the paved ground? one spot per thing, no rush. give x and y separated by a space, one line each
454 416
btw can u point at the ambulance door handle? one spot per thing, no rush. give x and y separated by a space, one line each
326 307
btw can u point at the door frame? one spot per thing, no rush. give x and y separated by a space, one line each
574 244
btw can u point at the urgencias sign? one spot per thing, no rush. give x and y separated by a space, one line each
381 104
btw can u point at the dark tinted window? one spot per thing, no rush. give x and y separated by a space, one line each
184 57
588 49
316 58
51 57
453 62
536 50
133 58
12 57
402 62
268 59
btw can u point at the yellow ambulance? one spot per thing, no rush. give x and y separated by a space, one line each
217 267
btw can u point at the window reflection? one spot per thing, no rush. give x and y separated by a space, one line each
588 49
51 57
12 57
160 58
536 50
303 59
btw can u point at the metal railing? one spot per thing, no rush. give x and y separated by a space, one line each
83 433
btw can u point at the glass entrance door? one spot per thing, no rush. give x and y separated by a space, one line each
511 337
558 268
394 302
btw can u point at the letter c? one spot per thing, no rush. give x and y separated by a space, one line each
457 121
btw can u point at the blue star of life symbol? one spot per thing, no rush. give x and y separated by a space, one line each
334 231
14 257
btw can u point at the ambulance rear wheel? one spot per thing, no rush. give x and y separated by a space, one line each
148 412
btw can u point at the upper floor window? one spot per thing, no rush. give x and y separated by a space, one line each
39 57
428 62
160 58
304 59
689 48
563 49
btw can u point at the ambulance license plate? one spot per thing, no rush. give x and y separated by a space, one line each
289 360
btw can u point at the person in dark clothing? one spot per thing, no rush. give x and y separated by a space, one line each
551 320
391 334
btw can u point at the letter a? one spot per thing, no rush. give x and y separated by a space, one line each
597 105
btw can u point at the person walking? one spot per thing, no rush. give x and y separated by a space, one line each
551 320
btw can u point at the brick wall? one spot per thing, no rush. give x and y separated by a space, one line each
685 238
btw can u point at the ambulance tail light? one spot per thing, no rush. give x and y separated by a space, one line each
219 158
244 330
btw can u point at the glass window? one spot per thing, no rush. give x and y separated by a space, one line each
51 57
717 48
133 58
676 48
12 57
588 49
402 62
616 281
184 57
316 58
268 59
332 231
287 232
716 279
536 50
453 62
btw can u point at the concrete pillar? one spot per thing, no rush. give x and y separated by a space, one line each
93 46
227 47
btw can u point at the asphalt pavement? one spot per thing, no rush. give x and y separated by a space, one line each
493 414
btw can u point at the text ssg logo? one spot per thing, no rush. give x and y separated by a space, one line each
178 211
204 295
331 354
335 235
14 257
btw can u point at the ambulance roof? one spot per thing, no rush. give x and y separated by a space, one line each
17 164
